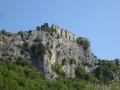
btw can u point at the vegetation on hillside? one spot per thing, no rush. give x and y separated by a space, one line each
52 31
37 49
58 68
3 32
107 71
21 75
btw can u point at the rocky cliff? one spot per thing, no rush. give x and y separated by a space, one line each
53 51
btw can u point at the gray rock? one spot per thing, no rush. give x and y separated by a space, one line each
57 49
111 75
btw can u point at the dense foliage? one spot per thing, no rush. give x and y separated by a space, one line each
107 71
23 76
81 73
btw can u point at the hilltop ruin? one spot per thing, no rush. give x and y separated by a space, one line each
61 32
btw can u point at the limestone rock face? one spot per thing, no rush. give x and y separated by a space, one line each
44 48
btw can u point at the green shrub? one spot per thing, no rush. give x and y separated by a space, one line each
87 64
84 42
3 31
34 49
26 47
22 62
78 40
72 61
21 33
43 48
58 68
81 73
117 61
64 61
52 31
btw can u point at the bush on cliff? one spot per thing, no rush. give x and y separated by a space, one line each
58 68
84 42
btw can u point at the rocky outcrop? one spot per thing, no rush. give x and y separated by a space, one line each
44 47
111 75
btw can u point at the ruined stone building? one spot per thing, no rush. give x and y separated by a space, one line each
64 33
61 32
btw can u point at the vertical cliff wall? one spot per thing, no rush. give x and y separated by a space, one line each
45 48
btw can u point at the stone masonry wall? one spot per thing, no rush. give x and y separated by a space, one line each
74 38
66 34
57 28
63 33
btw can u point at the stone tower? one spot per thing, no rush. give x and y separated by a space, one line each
70 36
57 28
74 38
45 26
67 34
63 33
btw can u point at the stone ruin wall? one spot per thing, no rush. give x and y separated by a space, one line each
57 28
65 33
62 32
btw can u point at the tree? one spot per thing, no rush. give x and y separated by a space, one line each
117 61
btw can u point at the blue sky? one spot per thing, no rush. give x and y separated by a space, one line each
98 20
